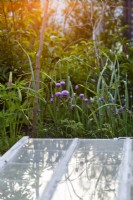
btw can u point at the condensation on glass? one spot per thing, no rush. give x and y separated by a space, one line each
59 169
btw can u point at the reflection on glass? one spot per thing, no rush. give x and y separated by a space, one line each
92 173
26 176
49 144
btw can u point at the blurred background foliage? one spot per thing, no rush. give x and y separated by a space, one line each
82 38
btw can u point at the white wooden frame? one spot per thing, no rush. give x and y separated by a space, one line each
125 174
12 151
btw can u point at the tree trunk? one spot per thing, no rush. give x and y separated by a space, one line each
38 58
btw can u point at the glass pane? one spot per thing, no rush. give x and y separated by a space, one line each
21 190
108 158
49 144
93 171
101 145
21 181
28 173
36 156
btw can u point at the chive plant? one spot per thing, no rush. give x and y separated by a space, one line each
105 114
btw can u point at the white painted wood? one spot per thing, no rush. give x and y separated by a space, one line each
124 190
12 151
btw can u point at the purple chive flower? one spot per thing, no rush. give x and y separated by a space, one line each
122 95
124 106
86 100
101 99
51 100
125 100
120 110
58 94
76 87
69 98
81 96
58 85
71 107
65 93
62 83
131 96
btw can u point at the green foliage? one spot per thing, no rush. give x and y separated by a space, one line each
14 112
108 113
20 21
100 63
83 18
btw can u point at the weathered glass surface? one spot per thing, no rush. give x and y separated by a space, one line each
69 169
27 174
93 171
